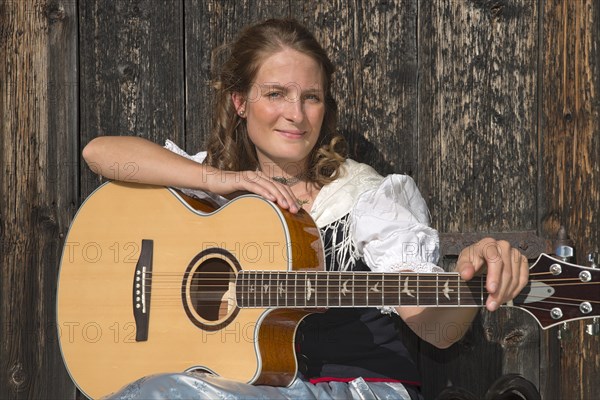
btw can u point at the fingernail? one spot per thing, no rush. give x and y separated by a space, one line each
493 286
493 305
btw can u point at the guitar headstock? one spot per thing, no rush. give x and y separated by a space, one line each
559 291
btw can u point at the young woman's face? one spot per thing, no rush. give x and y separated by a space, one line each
285 109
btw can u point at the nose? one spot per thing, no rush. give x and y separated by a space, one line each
294 109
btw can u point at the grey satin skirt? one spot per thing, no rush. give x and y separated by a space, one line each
204 386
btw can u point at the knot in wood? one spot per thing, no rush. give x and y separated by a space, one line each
55 12
513 338
18 377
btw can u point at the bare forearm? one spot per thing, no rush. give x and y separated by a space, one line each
134 159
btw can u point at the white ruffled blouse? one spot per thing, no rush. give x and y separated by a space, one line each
388 220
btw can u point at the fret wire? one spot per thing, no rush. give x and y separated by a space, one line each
481 290
296 289
367 289
340 288
247 292
418 286
458 288
277 290
316 286
271 291
243 291
437 288
286 288
239 289
353 288
304 294
382 289
262 288
327 291
255 288
399 290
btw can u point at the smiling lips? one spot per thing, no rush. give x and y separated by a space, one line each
291 133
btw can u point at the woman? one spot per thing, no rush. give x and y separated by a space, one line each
274 135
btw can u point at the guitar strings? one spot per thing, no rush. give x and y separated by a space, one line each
358 296
361 294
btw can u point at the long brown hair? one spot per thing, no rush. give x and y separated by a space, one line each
229 147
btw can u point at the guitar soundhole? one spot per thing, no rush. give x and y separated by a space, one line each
212 291
208 291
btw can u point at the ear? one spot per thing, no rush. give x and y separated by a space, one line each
238 102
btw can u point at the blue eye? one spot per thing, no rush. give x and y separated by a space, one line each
274 95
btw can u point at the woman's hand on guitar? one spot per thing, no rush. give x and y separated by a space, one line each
507 269
227 182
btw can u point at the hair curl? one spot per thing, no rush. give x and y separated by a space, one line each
229 147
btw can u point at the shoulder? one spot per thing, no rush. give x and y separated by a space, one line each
395 192
361 184
337 198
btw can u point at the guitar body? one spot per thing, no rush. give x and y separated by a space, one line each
146 286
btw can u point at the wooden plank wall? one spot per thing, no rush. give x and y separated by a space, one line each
492 105
39 155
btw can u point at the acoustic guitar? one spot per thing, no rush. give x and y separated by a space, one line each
153 281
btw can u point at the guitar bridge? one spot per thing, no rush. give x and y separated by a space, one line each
142 283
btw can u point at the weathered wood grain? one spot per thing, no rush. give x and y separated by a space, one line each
39 158
209 27
478 157
131 57
569 178
492 105
373 45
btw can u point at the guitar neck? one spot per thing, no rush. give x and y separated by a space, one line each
298 289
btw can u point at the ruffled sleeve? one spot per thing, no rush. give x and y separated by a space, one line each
390 225
199 158
391 228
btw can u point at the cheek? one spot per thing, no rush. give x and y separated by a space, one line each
316 117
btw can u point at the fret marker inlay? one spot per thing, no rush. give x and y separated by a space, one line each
447 290
375 288
345 288
406 289
309 290
281 289
265 288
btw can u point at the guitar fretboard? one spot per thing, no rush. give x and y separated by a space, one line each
299 289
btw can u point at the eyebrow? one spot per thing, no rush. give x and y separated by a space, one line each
277 86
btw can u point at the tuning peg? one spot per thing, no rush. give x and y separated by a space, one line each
563 246
593 329
565 253
594 259
563 332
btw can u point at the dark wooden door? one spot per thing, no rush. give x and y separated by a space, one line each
491 105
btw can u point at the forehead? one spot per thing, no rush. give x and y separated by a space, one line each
290 66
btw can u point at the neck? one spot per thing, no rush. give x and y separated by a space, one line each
288 173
